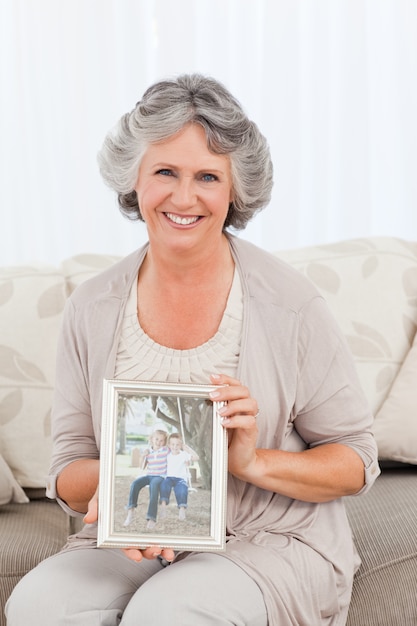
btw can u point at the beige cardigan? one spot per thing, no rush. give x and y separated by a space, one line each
296 364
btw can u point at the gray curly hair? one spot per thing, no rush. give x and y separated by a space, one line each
165 109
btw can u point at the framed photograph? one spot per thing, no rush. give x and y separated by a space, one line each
163 467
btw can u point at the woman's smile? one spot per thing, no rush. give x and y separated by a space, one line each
183 220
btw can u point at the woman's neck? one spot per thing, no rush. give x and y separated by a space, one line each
191 268
181 301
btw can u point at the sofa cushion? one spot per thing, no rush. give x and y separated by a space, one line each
371 288
10 490
383 522
31 302
395 424
29 534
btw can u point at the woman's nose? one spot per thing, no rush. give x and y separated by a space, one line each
183 194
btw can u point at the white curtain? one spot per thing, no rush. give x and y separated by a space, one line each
331 83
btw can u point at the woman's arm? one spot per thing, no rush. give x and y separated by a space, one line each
77 483
318 474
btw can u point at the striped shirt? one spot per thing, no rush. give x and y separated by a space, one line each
156 462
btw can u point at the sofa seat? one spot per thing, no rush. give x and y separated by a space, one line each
29 533
384 525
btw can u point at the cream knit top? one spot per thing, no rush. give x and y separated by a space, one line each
141 358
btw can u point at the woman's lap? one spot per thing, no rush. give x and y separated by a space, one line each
78 587
94 587
205 589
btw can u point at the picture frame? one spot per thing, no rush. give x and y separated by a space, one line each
135 416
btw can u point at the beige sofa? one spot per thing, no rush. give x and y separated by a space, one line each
371 286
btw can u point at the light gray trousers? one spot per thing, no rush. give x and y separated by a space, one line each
102 587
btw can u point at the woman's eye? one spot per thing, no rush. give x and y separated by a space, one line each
207 178
164 172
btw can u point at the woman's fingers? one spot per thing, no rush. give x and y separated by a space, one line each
228 387
133 554
239 408
168 554
136 554
247 408
152 552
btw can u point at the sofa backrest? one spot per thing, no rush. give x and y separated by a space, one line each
369 284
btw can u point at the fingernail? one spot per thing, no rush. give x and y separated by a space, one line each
214 394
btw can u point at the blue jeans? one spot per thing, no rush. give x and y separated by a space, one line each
180 489
154 483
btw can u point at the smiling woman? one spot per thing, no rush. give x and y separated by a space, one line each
197 305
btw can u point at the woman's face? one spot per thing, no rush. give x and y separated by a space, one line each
184 191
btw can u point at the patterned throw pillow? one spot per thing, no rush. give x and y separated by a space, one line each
395 424
32 300
371 288
31 303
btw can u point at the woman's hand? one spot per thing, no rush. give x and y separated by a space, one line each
152 552
238 416
92 512
135 554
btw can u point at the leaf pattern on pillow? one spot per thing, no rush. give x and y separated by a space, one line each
373 335
410 285
364 348
409 245
6 291
13 365
369 266
51 301
410 328
368 342
10 406
385 378
324 277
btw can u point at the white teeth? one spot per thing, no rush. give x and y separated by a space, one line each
184 221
